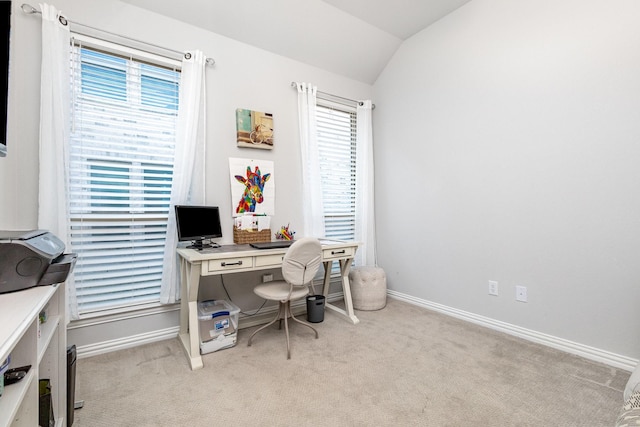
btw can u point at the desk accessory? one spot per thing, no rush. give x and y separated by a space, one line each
15 374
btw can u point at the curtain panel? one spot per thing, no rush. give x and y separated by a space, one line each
313 212
365 215
53 208
188 170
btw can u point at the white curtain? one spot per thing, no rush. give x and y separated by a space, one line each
313 212
188 170
55 86
365 218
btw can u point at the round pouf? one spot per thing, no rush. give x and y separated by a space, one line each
368 287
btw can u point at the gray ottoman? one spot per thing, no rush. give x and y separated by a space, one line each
368 287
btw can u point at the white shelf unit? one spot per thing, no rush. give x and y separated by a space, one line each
43 346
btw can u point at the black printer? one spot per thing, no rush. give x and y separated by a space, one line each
32 258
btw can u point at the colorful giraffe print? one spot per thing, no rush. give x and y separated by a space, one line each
254 184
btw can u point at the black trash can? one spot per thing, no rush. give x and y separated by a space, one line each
71 383
315 308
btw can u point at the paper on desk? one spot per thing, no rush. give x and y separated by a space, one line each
263 222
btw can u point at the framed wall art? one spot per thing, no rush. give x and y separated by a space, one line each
254 129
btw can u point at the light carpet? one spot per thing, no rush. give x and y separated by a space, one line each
400 366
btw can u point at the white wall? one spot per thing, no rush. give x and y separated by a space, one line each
243 77
507 140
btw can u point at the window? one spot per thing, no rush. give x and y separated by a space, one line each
124 111
336 126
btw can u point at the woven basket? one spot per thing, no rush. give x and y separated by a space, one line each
241 237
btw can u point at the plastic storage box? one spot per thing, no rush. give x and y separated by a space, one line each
218 322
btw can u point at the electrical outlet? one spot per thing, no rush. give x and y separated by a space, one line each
521 293
493 287
267 278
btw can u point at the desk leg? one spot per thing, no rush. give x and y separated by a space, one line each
189 326
327 278
345 265
184 300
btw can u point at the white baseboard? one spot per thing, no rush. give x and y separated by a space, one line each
126 342
591 353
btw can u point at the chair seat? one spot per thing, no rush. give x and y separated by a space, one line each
279 291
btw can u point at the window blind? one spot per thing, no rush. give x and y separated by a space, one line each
124 112
336 127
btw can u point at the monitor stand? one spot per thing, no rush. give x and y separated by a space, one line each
200 244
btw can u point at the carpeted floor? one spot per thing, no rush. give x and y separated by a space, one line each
401 366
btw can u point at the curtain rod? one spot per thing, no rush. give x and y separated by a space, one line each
30 10
373 106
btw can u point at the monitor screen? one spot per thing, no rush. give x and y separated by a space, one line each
198 223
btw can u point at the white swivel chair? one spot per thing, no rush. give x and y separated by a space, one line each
299 266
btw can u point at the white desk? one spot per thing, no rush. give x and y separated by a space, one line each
242 258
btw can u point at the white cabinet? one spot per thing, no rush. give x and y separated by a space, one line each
41 345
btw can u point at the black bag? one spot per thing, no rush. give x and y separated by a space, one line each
45 411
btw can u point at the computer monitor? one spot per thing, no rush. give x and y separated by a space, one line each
198 224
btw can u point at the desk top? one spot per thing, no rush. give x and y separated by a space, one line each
230 251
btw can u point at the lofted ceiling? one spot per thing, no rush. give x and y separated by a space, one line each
353 38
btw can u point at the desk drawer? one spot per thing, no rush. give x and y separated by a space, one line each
229 264
264 261
337 253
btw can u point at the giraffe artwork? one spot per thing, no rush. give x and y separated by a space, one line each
252 186
253 191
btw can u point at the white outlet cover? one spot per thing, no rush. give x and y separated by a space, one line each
521 293
493 287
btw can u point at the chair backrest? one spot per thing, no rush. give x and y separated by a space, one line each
302 261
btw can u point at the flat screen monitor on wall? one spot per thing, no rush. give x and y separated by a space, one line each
198 224
5 33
